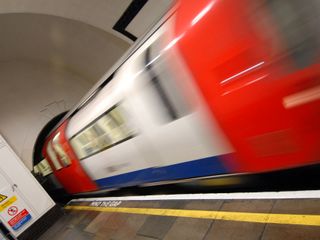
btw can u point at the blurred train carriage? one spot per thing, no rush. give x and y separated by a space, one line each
217 87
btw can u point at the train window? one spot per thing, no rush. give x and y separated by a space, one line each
43 168
60 151
107 131
298 24
53 157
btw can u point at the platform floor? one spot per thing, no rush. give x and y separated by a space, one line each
285 219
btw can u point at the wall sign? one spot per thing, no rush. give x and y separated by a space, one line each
22 199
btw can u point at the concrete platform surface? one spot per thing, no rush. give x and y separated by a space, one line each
285 219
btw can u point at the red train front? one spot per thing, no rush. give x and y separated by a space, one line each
249 69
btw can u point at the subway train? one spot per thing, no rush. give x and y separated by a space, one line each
216 87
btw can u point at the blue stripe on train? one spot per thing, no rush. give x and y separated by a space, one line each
196 168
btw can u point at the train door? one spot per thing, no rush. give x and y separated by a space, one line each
136 97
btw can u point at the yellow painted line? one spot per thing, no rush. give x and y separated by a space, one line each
8 203
294 219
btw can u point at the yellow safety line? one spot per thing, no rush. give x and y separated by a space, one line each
295 219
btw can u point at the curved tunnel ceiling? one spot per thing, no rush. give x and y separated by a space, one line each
59 42
103 14
99 13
